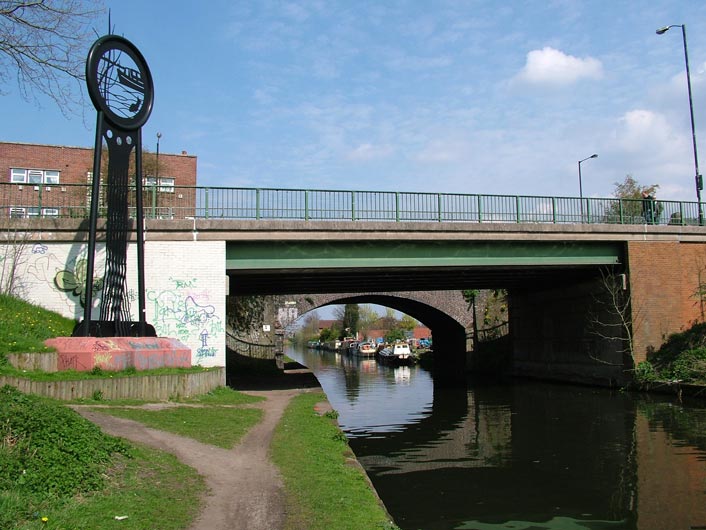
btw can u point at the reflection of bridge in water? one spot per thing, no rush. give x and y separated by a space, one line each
506 445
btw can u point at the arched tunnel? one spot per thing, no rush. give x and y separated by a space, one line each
449 335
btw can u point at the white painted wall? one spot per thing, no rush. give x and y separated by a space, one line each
185 288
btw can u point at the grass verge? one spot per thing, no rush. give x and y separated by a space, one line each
25 327
214 425
57 470
324 488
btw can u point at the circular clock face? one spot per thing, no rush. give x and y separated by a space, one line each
119 82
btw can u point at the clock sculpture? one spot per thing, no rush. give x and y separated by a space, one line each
120 86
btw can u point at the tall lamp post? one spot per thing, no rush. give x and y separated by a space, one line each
581 183
697 177
156 179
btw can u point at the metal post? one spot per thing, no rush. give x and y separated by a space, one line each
697 177
581 183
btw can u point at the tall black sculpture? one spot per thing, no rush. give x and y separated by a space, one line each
121 89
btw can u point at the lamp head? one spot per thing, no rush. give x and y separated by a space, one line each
662 31
593 156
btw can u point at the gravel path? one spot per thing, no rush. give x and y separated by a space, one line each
246 490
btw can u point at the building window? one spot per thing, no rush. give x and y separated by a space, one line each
34 176
166 184
18 212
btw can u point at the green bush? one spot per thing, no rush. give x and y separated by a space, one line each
48 449
683 356
645 372
688 366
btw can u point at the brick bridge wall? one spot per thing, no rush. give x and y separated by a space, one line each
664 279
555 332
448 302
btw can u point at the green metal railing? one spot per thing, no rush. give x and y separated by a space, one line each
73 200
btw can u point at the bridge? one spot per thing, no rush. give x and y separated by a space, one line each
553 255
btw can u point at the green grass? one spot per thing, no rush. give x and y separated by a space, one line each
54 464
224 396
59 471
25 327
324 489
73 375
681 358
214 425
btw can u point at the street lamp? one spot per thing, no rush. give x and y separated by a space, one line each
581 184
697 177
155 196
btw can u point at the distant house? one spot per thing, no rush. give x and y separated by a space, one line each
55 181
326 324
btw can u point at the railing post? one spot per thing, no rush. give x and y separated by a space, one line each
257 204
620 211
480 208
438 204
306 205
352 206
154 201
397 206
554 210
588 211
206 203
517 208
39 200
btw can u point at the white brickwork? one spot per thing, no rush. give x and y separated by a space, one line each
185 287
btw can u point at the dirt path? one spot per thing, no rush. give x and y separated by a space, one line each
246 489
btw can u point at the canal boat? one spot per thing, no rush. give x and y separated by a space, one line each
396 354
365 349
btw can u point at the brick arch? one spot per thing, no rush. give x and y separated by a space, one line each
422 305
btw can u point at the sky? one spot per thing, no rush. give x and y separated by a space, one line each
457 96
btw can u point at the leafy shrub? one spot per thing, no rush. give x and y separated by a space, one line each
683 356
689 365
48 449
645 372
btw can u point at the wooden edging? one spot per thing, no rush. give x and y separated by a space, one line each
147 387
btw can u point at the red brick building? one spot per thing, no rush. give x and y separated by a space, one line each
55 181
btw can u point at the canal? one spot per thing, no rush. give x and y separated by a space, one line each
518 454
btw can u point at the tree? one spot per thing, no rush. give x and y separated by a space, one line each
389 321
407 323
367 319
349 323
631 208
394 334
614 317
43 44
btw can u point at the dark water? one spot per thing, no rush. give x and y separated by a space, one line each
518 455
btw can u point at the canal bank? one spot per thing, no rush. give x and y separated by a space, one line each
491 453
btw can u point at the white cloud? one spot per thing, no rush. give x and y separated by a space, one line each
646 131
553 67
365 152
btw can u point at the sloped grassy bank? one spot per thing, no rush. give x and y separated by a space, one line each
681 360
58 470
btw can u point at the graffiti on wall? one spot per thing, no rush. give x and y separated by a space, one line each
74 281
184 308
184 311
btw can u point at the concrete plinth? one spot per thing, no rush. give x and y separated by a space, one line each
119 353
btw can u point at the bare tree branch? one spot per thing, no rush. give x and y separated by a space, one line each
43 45
614 316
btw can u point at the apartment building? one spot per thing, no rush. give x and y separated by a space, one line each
55 181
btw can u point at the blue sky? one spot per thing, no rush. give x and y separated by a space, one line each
451 96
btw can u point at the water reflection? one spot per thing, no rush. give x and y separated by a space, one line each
519 455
